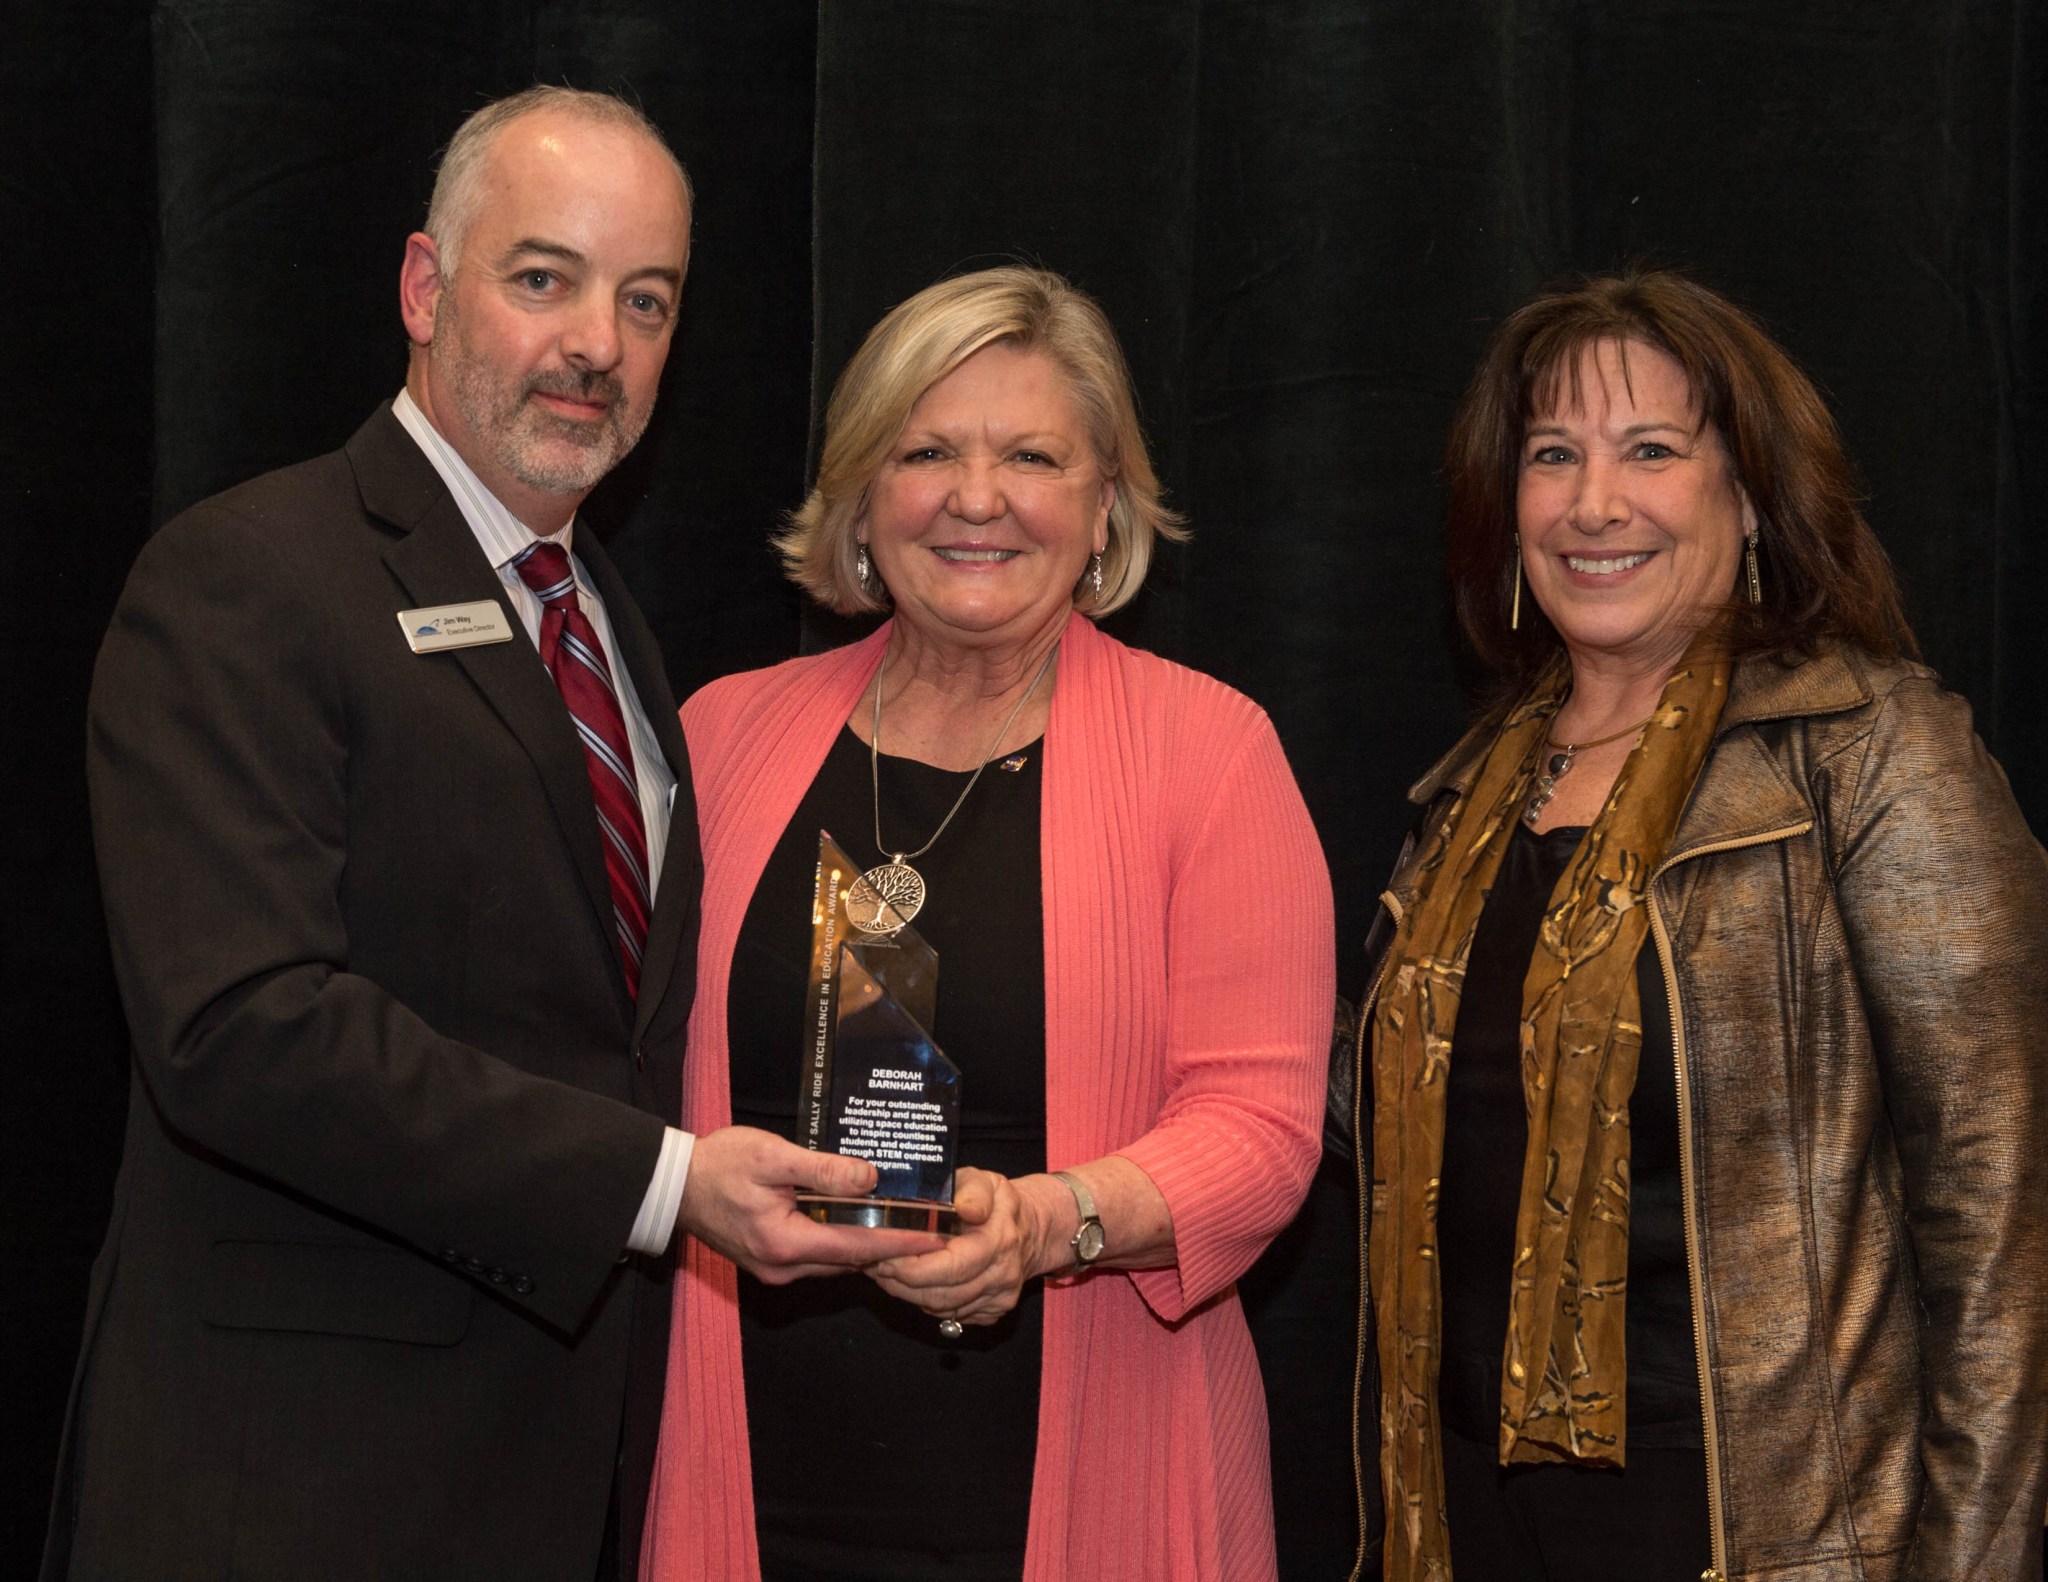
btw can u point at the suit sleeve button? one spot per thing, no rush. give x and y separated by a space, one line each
473 1265
451 1255
523 1284
495 1276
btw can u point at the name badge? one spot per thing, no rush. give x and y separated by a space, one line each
455 626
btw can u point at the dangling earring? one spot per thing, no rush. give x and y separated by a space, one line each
1095 574
1515 609
864 571
1756 587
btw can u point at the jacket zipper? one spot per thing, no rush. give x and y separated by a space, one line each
1360 1150
1717 1539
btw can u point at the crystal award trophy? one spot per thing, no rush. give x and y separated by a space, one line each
873 1084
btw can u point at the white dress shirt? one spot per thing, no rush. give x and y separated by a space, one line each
503 537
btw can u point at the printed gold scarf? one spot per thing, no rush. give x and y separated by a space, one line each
1562 1378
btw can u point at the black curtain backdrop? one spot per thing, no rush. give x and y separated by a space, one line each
1303 216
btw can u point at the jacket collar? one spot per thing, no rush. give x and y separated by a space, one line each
398 484
1829 682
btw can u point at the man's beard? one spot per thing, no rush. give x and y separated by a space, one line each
546 452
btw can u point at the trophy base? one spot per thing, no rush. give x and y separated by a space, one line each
882 1213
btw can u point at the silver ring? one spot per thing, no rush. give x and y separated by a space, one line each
950 1328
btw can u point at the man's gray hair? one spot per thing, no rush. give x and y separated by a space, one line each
458 186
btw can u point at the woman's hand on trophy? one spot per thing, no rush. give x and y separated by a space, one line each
1011 1231
740 1200
1016 1230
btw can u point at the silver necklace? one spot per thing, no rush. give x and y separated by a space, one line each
1559 764
889 895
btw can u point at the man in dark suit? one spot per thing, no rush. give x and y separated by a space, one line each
399 855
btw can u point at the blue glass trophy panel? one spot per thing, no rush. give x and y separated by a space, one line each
874 1083
895 1096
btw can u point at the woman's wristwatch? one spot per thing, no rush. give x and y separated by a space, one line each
1087 1243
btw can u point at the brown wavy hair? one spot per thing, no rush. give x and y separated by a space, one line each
1825 576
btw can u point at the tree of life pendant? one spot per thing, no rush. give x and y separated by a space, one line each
883 899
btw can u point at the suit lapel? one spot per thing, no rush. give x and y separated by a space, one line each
681 865
437 560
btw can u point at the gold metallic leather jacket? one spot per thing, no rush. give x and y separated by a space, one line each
1853 928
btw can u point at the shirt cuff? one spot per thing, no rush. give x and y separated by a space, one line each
656 1221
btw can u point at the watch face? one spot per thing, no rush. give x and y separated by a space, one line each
1088 1241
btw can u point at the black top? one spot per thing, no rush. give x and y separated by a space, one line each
881 1449
1485 1134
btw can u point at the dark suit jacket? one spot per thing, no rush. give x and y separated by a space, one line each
361 1310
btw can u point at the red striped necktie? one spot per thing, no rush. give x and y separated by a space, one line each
570 650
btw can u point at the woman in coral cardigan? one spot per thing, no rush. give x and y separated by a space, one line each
1132 919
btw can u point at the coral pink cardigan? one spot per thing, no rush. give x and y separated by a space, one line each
1189 973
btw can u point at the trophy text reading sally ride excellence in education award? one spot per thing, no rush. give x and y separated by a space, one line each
873 1085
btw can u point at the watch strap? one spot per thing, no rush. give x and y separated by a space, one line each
1086 1249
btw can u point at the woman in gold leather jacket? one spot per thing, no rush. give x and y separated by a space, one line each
1709 1056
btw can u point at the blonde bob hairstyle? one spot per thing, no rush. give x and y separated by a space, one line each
919 342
